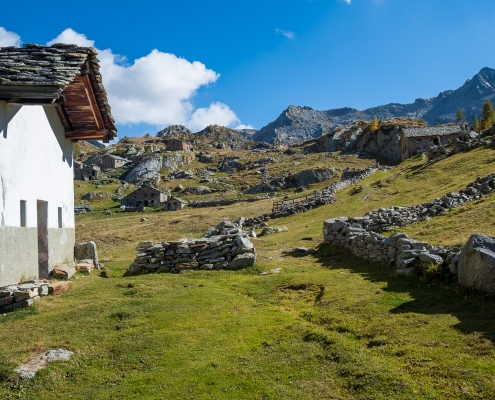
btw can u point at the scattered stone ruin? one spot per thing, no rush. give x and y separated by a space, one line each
226 246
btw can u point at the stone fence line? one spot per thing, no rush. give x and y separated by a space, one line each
327 197
473 263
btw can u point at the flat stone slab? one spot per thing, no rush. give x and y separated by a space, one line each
28 369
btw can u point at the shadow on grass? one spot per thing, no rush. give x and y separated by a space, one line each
474 310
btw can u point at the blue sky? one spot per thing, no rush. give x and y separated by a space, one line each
254 58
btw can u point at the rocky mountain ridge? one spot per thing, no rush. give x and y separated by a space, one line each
297 124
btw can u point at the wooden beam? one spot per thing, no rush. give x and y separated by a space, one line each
92 101
29 92
92 134
64 118
37 102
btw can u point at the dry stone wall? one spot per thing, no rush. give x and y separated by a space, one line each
383 219
327 197
223 247
409 255
360 235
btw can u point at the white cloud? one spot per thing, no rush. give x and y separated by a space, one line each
9 38
217 113
156 89
287 34
242 126
347 1
70 36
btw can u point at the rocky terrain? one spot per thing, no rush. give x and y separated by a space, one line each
297 124
359 137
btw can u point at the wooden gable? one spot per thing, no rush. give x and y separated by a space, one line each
83 113
64 76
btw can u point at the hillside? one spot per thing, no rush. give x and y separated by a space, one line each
328 325
297 124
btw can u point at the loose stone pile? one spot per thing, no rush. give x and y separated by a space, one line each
226 246
24 295
327 197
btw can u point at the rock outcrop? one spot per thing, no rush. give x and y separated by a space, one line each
174 130
177 160
146 170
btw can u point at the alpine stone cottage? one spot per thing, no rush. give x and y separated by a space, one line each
49 97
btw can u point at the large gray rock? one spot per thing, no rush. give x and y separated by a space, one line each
261 188
242 261
309 176
146 170
198 190
476 265
273 229
243 245
177 160
85 251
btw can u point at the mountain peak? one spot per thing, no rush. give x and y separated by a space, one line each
297 123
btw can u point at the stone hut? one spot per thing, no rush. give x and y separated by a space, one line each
50 96
109 161
414 140
83 172
146 196
175 203
177 145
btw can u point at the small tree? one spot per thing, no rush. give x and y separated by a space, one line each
421 121
459 116
375 124
476 125
488 115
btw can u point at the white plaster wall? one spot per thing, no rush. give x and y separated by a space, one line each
35 164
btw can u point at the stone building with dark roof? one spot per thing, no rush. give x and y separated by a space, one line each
415 140
146 196
83 172
49 97
177 145
174 203
109 161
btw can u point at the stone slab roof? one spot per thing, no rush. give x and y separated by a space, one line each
430 130
177 199
55 66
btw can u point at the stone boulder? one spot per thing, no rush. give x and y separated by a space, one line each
262 188
63 272
476 263
273 229
187 174
56 288
197 190
242 261
85 251
309 176
146 170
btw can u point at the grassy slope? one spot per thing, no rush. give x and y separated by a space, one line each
328 326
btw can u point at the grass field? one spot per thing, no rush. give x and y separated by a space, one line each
329 326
